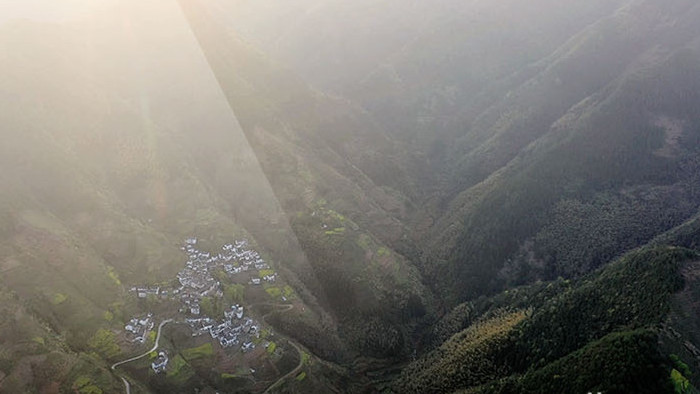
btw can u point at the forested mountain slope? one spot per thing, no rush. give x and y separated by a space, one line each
425 71
546 165
598 333
604 176
340 179
465 196
520 127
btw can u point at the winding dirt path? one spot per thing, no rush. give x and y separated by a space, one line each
297 369
127 386
283 308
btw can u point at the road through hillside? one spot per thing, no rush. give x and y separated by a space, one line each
300 365
283 309
127 386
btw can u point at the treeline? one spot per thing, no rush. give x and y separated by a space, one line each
317 335
470 358
629 297
619 363
582 236
524 297
377 297
373 337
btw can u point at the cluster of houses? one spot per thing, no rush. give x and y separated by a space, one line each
138 328
270 278
160 363
143 292
196 279
238 258
235 329
196 282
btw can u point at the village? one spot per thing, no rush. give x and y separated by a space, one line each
233 329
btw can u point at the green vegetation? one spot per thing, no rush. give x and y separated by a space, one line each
215 306
83 385
234 293
363 241
336 231
311 332
59 299
264 273
114 276
274 292
383 251
271 348
467 359
681 384
335 215
300 377
287 291
108 316
632 292
305 358
592 334
373 336
507 185
178 369
680 365
618 363
205 350
104 342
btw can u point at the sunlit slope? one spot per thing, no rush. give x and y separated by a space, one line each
334 172
34 358
117 144
601 333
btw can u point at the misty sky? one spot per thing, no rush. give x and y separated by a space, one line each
58 10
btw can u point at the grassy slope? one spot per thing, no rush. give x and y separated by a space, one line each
102 179
34 357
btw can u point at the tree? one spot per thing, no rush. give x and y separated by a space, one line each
104 343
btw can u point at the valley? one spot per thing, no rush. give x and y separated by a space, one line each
359 197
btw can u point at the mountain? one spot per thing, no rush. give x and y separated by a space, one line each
102 182
558 164
597 333
624 151
449 197
338 176
119 148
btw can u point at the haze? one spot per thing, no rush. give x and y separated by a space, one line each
349 196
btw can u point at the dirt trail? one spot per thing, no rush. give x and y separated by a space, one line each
127 386
297 369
